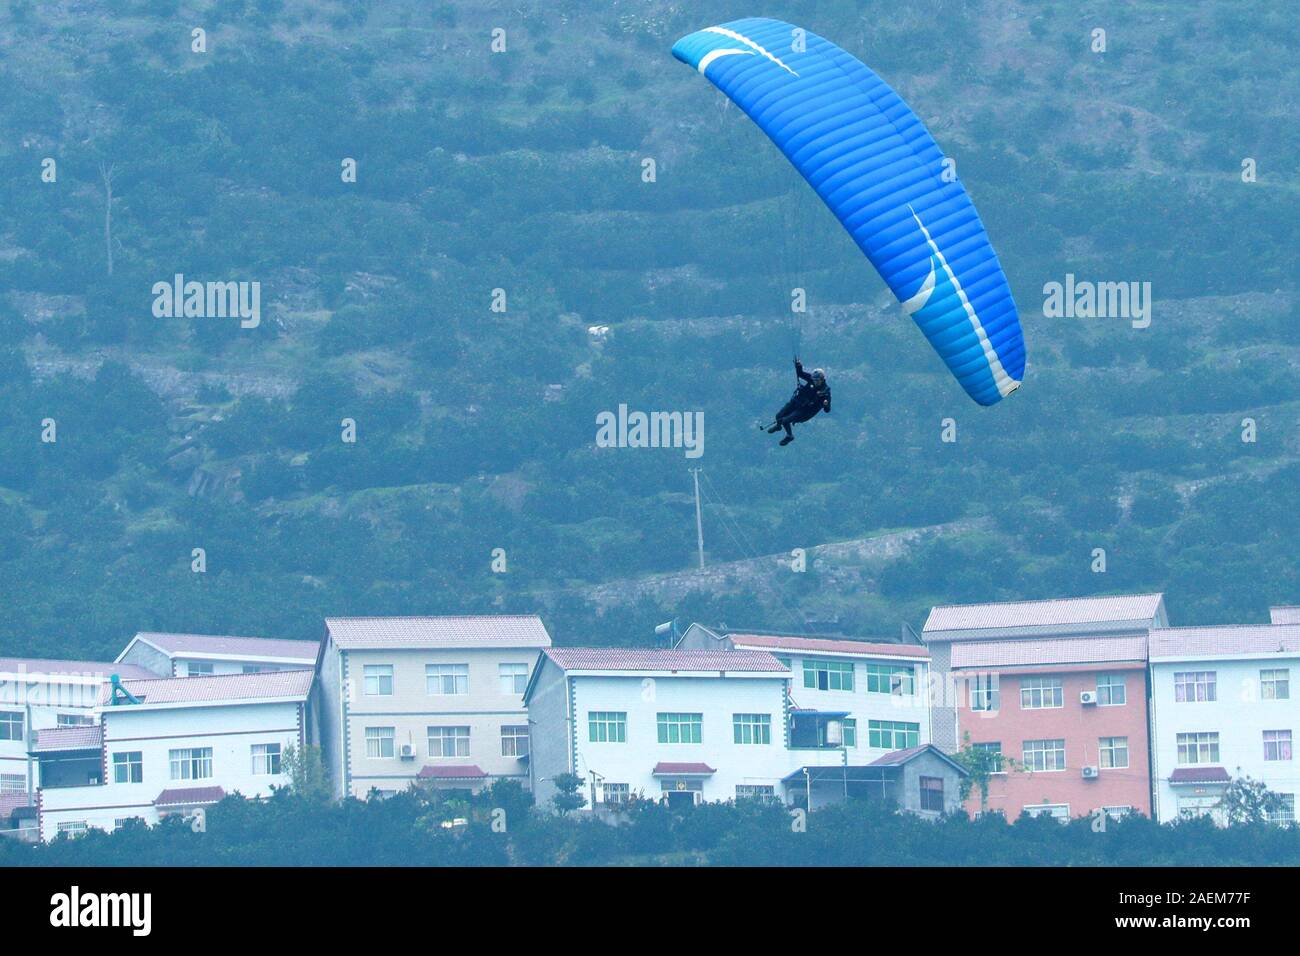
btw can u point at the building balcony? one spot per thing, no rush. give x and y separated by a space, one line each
817 729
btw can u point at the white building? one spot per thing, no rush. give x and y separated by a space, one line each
1222 707
173 745
37 695
877 693
682 725
432 699
196 655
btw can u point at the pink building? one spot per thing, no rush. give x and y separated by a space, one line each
1059 690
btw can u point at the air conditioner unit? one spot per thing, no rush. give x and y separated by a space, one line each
1090 773
1087 697
407 752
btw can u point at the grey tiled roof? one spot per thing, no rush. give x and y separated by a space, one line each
828 645
490 630
197 644
1051 613
1287 614
1061 650
266 685
84 737
9 802
1252 639
897 758
649 659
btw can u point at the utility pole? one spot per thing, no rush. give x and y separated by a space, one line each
106 174
699 521
844 751
29 736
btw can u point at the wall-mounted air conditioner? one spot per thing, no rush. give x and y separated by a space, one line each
1088 697
1090 773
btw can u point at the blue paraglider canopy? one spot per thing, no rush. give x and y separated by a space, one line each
872 161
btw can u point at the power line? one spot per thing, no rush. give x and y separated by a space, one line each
794 614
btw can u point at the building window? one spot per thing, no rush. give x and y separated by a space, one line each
1044 755
266 759
1041 693
197 669
607 726
119 822
13 783
442 679
828 675
514 678
1277 745
257 669
1275 684
891 679
681 728
74 828
1117 812
379 741
1195 686
74 720
379 680
191 763
514 741
1111 690
892 734
752 728
1285 811
616 793
11 725
1114 752
984 694
850 732
994 749
448 741
754 791
128 767
1057 811
932 794
1198 748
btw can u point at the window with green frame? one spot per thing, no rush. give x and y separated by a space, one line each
827 675
891 679
607 726
892 734
681 728
752 728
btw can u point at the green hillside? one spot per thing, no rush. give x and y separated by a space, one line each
522 171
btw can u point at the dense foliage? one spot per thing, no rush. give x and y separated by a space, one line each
522 171
407 830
